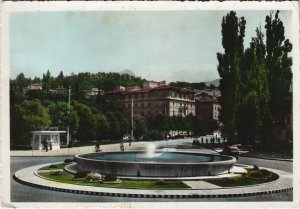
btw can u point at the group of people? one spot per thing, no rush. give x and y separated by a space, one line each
98 149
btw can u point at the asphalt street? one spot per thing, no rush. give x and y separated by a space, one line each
22 193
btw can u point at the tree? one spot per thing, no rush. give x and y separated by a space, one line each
124 124
29 116
102 126
87 124
229 68
140 127
114 125
46 82
161 124
59 80
63 116
255 110
278 64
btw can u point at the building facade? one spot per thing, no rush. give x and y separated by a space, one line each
207 107
163 99
93 93
31 88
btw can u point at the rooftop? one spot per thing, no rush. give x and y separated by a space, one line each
163 87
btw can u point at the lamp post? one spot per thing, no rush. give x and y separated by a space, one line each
68 128
131 137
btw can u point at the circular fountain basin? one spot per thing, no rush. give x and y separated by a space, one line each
158 164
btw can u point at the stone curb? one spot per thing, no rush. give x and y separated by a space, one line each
151 195
266 158
119 194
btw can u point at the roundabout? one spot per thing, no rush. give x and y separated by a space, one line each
198 188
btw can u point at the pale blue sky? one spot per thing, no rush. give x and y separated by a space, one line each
173 45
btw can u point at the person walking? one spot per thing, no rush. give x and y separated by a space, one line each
46 145
122 146
97 148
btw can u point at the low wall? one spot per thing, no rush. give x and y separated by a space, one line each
146 169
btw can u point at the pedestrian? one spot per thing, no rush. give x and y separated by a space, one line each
97 148
122 146
46 145
50 144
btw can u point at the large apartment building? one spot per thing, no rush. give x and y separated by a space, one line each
207 107
154 100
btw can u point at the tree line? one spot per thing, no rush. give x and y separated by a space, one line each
255 82
89 119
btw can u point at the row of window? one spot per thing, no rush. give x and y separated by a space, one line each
156 94
176 105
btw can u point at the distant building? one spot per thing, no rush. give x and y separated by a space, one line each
153 84
207 107
133 88
94 92
59 91
163 99
30 88
212 92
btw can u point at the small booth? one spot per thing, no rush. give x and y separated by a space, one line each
49 138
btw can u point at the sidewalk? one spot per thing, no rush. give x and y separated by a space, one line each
75 150
268 156
134 146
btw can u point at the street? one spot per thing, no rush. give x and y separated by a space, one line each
20 193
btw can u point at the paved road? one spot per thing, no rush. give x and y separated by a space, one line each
22 193
275 164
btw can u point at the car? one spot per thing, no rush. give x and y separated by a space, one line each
196 142
231 151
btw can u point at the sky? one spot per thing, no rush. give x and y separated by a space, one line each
156 45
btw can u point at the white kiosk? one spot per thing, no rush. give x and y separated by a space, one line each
51 137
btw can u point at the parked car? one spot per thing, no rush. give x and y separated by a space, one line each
231 151
126 138
196 142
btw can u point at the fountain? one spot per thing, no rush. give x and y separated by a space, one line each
152 163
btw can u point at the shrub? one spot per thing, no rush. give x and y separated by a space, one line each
255 168
52 166
55 173
161 182
110 177
256 174
80 174
68 161
93 176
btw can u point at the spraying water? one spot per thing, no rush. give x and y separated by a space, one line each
150 151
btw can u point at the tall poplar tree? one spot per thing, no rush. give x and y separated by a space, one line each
229 68
279 65
255 113
46 82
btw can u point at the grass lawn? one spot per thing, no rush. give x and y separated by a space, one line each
250 178
125 184
55 166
